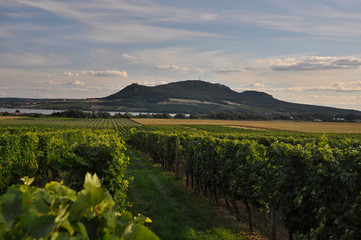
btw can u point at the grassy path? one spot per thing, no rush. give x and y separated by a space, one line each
176 212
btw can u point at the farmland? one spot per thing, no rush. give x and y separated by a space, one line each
183 124
310 127
298 170
99 123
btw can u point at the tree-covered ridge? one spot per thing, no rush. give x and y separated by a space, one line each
191 96
204 97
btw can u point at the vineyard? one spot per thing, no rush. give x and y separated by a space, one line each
51 210
121 124
311 180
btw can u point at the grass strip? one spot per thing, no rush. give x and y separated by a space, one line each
176 211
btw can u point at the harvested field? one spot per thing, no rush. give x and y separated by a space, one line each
312 127
9 117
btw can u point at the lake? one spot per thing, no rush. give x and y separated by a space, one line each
48 111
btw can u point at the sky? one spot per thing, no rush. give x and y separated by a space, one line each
305 51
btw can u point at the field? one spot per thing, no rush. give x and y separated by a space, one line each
305 127
8 117
306 173
310 127
112 123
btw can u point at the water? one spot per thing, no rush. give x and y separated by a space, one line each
48 111
41 111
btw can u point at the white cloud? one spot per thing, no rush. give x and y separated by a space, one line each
194 70
257 85
108 73
336 87
54 83
128 56
335 97
173 67
230 69
77 83
153 83
103 73
339 87
70 74
167 67
309 63
251 86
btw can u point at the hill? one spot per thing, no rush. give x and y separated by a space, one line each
183 97
203 97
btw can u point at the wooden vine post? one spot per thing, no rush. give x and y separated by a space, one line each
273 223
177 155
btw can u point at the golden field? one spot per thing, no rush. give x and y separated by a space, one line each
313 127
8 117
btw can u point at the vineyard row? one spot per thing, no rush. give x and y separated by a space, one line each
63 154
313 183
51 210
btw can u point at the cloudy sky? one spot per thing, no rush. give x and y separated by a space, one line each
299 51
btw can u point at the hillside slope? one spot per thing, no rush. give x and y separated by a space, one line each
203 97
182 97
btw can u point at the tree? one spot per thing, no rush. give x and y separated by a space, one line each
180 116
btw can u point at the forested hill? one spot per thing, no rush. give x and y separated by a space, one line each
191 96
204 97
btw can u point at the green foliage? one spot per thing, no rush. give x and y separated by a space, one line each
121 125
312 181
64 154
103 154
17 157
58 212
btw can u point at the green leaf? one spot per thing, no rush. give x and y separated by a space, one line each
67 225
11 203
60 236
62 214
140 232
87 199
81 161
91 181
27 181
82 229
59 190
37 226
126 216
